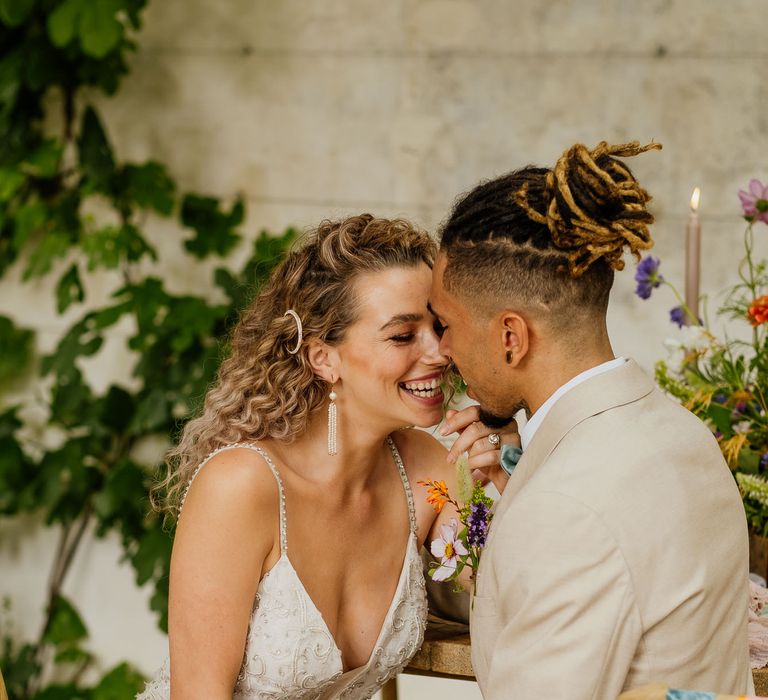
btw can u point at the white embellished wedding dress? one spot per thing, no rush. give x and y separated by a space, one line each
290 652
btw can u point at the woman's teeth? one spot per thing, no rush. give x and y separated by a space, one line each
424 390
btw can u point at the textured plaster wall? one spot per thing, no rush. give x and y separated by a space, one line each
316 109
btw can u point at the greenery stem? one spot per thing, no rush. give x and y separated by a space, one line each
686 310
69 113
71 537
748 245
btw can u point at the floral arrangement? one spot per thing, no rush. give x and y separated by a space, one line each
724 382
456 549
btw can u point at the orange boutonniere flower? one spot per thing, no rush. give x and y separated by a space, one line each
758 311
437 493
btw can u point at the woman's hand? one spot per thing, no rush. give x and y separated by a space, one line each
484 456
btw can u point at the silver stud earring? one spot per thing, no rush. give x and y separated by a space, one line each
332 447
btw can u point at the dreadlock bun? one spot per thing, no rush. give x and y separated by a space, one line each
594 207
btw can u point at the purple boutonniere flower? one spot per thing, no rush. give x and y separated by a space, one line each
477 524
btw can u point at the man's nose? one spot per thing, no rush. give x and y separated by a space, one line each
443 349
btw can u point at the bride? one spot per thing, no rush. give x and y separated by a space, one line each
296 570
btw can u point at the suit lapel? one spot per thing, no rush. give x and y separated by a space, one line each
603 392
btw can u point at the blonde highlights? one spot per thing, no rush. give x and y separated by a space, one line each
263 390
595 207
548 241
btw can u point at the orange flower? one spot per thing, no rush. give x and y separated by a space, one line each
758 311
437 493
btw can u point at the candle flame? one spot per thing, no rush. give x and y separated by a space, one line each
695 199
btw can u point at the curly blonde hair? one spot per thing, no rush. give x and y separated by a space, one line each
263 390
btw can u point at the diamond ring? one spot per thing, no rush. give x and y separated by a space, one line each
494 439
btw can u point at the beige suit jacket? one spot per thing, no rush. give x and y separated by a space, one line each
617 556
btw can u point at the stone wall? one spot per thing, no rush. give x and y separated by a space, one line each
316 109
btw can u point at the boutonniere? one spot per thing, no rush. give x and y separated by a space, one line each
456 548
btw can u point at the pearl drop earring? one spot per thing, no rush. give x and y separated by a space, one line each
332 446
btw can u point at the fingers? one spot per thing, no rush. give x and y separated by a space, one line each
470 435
510 435
456 421
493 474
483 444
485 460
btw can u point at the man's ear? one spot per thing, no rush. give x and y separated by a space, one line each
515 337
324 360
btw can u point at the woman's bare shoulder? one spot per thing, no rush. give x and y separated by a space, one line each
422 453
236 482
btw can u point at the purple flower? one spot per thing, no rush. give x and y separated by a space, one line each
477 525
764 460
755 202
719 398
647 276
678 316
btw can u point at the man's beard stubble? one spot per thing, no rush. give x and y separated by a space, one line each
491 420
495 421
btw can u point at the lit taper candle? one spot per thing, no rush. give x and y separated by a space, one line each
693 258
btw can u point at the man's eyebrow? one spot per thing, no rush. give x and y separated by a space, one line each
402 318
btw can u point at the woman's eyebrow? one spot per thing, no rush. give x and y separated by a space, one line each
402 318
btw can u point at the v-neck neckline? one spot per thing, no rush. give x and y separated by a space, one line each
387 617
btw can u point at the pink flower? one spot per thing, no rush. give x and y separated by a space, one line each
447 548
755 202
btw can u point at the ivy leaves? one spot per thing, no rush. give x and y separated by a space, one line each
62 641
15 349
96 160
93 474
95 24
14 12
214 229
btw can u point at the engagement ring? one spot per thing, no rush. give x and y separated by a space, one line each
494 439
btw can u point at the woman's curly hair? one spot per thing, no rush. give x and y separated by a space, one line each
263 390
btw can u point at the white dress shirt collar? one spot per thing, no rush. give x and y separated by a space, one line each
529 429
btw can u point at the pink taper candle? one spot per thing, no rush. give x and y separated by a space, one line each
693 257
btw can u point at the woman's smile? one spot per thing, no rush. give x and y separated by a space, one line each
426 390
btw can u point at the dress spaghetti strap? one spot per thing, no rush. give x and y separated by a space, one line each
265 456
406 484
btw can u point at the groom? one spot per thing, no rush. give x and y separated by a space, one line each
618 554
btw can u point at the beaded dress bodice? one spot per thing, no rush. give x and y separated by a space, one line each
291 653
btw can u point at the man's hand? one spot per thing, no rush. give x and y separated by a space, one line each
484 457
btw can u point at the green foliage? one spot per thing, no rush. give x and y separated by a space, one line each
121 682
93 475
61 640
15 348
725 383
95 24
214 229
65 626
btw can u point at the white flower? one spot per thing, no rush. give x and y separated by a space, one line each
742 426
447 547
691 340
